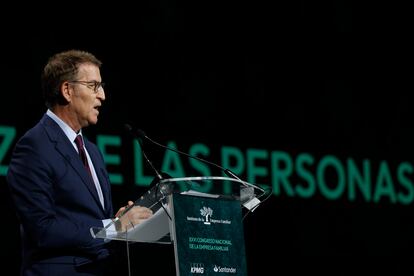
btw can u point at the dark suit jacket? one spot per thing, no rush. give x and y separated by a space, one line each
56 202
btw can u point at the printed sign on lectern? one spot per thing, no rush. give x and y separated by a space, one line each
209 238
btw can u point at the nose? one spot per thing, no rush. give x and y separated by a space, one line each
101 94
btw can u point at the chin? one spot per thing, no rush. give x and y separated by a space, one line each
93 121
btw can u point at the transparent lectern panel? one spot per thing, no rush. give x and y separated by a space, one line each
157 228
153 230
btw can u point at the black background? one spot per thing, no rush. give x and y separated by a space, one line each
296 77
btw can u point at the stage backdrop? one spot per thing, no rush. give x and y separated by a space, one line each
289 100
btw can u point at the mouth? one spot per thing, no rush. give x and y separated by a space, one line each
97 107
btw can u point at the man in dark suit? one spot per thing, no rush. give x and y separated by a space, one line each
57 178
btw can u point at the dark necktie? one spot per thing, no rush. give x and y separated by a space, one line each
82 153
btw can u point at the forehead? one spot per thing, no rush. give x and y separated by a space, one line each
89 71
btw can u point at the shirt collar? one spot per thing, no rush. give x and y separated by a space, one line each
69 132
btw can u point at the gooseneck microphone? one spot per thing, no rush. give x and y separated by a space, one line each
138 134
141 135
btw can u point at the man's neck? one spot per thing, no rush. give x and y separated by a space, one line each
67 117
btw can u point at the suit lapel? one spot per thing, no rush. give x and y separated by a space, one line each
65 148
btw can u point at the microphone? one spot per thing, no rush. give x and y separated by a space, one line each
138 134
141 135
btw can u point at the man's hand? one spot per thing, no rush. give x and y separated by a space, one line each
133 216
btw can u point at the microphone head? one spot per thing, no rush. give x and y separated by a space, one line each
136 131
140 133
128 127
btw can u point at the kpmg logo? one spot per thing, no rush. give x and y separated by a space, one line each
197 268
206 212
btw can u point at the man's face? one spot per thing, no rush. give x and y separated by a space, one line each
85 102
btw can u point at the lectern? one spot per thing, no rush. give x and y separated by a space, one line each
205 229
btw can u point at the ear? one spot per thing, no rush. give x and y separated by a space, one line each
66 91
